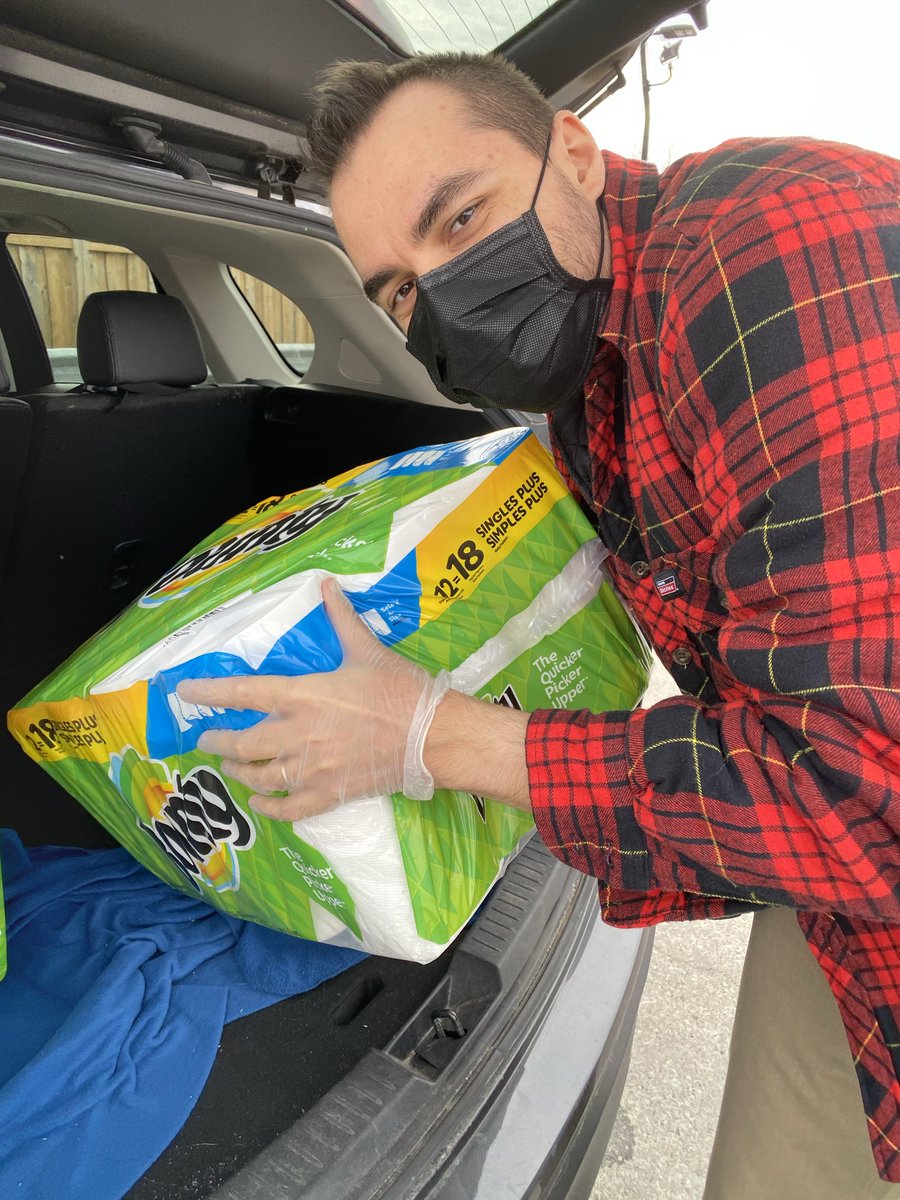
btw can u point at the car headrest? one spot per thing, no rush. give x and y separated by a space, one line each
128 338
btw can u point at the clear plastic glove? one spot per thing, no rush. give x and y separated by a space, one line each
328 738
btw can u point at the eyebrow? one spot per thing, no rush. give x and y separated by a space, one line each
442 195
374 283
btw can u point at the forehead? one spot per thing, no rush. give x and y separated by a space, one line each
409 123
421 134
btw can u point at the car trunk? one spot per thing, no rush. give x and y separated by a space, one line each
336 1092
377 1075
307 1071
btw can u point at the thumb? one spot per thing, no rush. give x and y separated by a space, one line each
357 640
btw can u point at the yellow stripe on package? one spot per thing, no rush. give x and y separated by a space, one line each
469 557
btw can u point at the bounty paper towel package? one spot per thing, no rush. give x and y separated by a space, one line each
470 557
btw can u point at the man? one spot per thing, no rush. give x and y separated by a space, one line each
717 348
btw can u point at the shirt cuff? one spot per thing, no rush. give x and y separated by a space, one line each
583 788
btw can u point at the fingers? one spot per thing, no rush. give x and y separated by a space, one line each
356 638
262 741
262 777
262 693
294 807
279 775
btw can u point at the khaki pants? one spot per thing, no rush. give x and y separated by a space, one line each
792 1125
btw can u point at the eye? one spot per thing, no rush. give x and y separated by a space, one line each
402 293
464 218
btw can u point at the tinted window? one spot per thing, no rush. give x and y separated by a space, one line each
282 320
422 26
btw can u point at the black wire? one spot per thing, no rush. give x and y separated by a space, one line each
476 41
645 88
436 23
512 24
416 33
497 40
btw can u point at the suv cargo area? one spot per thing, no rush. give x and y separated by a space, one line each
120 451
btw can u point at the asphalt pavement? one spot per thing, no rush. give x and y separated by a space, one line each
664 1131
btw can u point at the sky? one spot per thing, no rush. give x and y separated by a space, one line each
816 67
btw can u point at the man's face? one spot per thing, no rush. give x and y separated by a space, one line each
424 183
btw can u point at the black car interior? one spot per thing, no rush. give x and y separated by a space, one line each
111 482
102 487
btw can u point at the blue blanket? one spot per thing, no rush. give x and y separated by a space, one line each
112 1011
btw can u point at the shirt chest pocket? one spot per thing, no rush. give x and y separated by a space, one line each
685 582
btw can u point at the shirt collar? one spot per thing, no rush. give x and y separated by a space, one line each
629 198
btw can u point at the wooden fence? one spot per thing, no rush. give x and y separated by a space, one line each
59 273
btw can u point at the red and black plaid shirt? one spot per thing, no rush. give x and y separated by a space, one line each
739 447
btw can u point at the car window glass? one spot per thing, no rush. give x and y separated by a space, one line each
280 317
423 26
58 274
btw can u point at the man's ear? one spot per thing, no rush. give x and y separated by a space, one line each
577 154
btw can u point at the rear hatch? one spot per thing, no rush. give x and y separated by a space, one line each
229 82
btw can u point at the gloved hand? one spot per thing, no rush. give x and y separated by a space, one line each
332 737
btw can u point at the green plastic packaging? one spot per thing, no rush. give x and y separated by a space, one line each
471 557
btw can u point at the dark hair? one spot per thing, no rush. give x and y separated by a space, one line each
349 94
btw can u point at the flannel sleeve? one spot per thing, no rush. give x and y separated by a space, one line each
779 355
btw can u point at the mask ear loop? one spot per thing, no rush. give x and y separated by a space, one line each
599 202
543 169
602 217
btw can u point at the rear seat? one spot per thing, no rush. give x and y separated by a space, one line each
15 432
121 478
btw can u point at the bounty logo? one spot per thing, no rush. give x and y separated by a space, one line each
268 536
192 818
508 699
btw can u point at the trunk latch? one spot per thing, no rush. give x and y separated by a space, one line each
446 1024
448 1031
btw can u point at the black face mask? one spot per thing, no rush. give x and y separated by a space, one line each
503 325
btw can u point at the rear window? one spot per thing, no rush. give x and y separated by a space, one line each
280 317
424 26
58 274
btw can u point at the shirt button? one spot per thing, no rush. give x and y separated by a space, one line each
682 657
640 569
